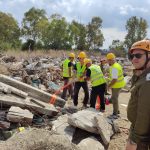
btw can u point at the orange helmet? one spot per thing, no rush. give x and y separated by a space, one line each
143 44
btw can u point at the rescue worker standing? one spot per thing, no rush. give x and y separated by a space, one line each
94 73
67 69
80 73
116 82
138 111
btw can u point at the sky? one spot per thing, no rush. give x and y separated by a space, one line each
114 13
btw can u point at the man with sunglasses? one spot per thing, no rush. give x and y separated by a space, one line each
116 82
138 111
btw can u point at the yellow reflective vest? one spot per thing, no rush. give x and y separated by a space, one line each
80 71
97 77
120 81
66 68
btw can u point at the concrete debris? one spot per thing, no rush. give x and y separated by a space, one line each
8 59
32 91
90 143
16 114
104 128
84 120
38 139
9 89
29 103
61 126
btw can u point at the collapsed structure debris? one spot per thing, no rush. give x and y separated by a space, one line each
27 98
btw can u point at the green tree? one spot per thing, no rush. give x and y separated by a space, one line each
58 33
78 35
9 32
137 30
30 23
95 37
118 48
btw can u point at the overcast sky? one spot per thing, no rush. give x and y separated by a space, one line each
114 13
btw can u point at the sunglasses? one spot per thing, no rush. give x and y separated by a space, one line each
137 55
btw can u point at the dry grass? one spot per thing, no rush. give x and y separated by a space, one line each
38 53
26 54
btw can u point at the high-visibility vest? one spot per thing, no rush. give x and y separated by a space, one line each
97 77
80 71
120 83
66 68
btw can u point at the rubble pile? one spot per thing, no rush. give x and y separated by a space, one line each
27 101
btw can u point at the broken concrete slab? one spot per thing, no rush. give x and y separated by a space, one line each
16 114
84 120
104 128
32 91
61 126
90 143
28 103
9 89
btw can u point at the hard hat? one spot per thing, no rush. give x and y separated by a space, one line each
72 55
82 55
143 44
110 56
86 61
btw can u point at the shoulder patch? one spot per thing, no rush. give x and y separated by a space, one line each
148 77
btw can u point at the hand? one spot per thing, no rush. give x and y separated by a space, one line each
130 146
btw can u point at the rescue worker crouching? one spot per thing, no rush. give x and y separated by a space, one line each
116 82
95 75
138 110
67 70
80 69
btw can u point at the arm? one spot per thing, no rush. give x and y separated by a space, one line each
88 74
113 81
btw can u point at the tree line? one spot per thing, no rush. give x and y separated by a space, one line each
38 31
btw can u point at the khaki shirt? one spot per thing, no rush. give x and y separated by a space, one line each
138 111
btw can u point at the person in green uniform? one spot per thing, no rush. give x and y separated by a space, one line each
138 111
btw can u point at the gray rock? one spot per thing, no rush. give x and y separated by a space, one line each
104 128
61 126
84 120
90 143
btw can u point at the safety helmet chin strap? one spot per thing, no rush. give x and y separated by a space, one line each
146 62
